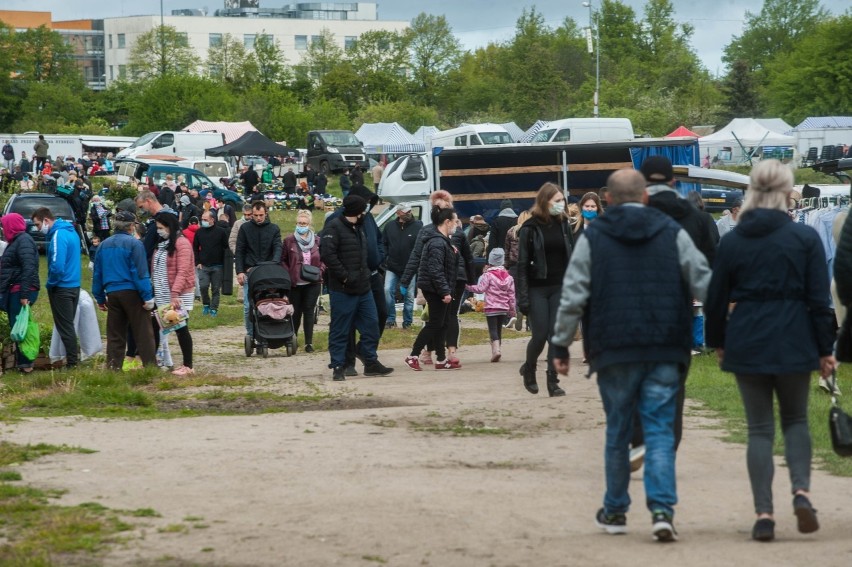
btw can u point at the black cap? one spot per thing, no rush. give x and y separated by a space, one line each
657 169
353 205
125 216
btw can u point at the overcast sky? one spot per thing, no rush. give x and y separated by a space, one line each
475 22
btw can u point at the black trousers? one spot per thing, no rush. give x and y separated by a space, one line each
435 329
377 287
63 307
453 332
304 298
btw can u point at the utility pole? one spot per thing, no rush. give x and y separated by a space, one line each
597 49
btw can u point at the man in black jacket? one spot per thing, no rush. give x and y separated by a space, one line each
344 251
506 219
290 181
209 246
258 241
399 239
250 178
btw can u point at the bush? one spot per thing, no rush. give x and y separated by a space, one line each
120 192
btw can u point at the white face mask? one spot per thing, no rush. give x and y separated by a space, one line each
164 234
45 228
557 208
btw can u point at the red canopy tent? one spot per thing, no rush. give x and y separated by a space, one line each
682 131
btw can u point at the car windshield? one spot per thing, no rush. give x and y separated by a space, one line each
544 135
214 169
144 139
346 139
27 206
495 138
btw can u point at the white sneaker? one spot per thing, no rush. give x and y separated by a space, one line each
829 385
510 323
637 458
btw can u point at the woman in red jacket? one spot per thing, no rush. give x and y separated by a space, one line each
173 273
302 248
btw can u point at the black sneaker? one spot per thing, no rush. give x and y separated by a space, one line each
663 529
390 325
338 375
805 514
349 370
376 369
309 347
763 530
611 523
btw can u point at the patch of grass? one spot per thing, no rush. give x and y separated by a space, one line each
461 428
374 559
193 519
10 476
206 549
200 380
173 529
12 453
145 513
718 392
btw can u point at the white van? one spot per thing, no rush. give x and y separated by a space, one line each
214 168
585 130
471 135
188 145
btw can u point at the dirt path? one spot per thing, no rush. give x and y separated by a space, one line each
402 485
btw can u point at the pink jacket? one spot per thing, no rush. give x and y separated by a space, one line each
499 289
180 268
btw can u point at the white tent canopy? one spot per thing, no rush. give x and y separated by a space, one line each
388 138
728 143
425 132
819 131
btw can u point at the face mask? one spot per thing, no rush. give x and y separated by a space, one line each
557 208
367 210
205 224
589 215
302 229
164 234
45 228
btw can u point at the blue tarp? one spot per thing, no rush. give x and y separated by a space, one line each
678 155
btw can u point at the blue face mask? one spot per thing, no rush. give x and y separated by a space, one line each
302 229
205 224
589 215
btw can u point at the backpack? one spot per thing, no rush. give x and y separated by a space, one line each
478 246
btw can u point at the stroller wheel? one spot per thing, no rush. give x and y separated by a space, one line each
264 351
291 348
316 314
249 344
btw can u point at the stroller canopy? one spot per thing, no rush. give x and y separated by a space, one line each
269 275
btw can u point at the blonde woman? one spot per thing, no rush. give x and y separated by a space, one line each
301 248
512 262
779 331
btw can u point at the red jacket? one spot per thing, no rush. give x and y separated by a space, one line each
292 258
180 268
189 233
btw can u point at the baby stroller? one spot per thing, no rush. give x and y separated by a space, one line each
269 311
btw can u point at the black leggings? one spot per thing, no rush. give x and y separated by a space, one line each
435 329
184 340
495 326
544 303
304 300
453 333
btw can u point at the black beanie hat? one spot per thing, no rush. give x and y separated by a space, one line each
353 205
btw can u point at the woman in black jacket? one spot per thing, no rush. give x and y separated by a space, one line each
465 273
545 243
19 281
769 319
436 278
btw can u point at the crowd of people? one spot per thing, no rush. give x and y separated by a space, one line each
625 278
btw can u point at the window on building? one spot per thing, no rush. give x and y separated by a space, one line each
121 41
122 71
267 37
110 41
215 39
349 42
111 74
183 38
301 42
315 39
248 40
89 73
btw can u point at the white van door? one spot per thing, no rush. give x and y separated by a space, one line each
164 142
406 179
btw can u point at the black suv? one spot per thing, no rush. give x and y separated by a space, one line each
25 204
718 198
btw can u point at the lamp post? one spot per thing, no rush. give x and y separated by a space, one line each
597 49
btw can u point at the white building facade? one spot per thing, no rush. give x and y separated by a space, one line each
292 35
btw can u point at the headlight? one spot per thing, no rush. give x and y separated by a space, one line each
333 150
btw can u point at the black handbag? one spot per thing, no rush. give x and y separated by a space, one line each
840 425
843 346
310 273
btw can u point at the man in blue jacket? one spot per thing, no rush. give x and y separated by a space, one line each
121 285
63 277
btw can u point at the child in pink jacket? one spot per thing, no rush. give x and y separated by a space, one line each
499 289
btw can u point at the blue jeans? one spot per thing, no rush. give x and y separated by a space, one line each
249 327
650 387
391 285
348 311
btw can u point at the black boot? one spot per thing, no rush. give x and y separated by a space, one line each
528 372
553 385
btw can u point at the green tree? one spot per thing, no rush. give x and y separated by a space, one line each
272 66
172 102
740 89
815 77
322 55
41 55
775 30
434 51
161 52
48 108
410 116
380 51
229 61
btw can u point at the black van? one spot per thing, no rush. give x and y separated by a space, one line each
335 150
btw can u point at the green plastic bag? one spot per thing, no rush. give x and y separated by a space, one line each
32 341
19 331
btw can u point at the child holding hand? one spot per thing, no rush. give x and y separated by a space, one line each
499 289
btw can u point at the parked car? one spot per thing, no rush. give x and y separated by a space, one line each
25 204
718 198
157 170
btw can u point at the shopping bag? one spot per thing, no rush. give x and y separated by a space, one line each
19 331
32 341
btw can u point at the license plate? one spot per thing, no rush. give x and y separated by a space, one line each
715 200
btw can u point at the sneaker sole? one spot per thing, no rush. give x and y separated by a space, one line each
390 370
612 530
664 532
807 520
